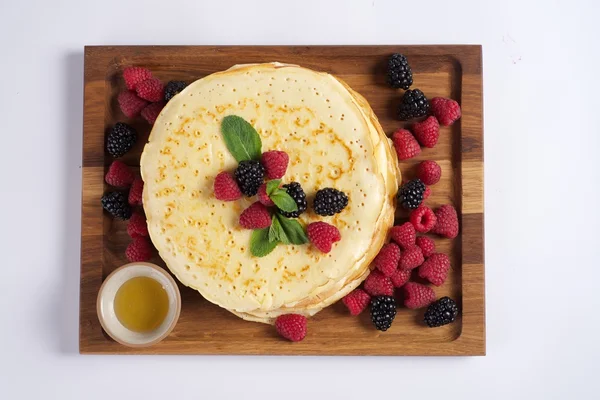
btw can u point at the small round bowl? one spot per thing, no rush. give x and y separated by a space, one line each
106 310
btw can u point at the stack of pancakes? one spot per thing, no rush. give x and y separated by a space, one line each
333 139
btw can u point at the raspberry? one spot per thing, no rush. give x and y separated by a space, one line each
414 105
151 112
447 111
423 219
383 312
121 139
427 132
356 301
137 225
135 75
275 163
447 222
130 104
322 235
435 269
116 205
172 88
263 197
378 284
255 217
226 188
441 312
429 172
135 192
119 175
417 295
405 144
427 245
410 194
426 193
400 277
151 89
411 258
291 326
249 175
387 259
139 250
404 235
329 202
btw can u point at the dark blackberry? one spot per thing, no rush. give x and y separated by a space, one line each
383 312
116 205
441 312
295 190
399 74
172 88
411 193
121 139
329 201
414 105
249 175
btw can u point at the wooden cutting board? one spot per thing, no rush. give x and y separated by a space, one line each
203 328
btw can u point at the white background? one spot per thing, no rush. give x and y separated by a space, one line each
541 85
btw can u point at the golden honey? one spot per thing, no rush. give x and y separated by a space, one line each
141 304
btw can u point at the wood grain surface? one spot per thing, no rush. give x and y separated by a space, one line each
203 328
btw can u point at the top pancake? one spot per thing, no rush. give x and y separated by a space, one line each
332 139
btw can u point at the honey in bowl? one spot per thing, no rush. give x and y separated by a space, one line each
141 304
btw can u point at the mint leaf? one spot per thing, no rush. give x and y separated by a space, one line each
283 200
241 138
260 245
272 186
292 229
277 233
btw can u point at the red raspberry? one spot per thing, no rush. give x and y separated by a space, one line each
263 197
411 258
400 277
447 222
404 235
426 193
275 163
322 235
151 112
435 269
427 132
356 301
423 219
255 217
151 89
291 326
445 110
378 284
119 175
130 104
417 295
139 249
387 259
226 188
135 192
429 172
405 144
427 245
135 75
137 225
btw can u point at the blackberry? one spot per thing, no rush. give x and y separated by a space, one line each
172 88
121 139
329 202
414 104
399 74
411 193
383 312
441 312
295 190
249 175
116 205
